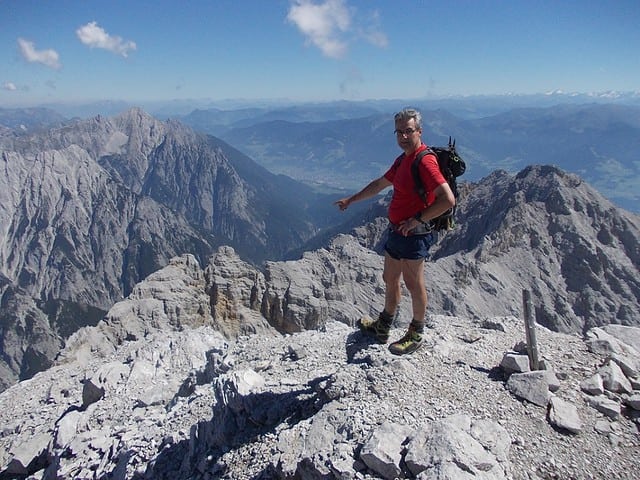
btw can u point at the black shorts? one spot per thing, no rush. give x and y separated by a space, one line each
411 247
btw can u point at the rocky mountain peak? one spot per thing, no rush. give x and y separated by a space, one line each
548 231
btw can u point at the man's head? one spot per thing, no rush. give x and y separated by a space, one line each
407 114
408 124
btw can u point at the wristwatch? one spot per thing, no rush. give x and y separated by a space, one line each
418 216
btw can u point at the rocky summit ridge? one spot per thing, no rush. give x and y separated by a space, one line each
156 391
90 208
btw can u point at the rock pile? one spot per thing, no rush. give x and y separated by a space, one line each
613 387
156 392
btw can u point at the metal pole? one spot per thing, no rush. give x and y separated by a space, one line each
530 329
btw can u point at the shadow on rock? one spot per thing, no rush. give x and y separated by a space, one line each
495 374
237 419
357 345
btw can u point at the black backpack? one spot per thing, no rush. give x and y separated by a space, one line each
452 166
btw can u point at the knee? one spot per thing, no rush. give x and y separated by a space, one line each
415 286
391 282
390 277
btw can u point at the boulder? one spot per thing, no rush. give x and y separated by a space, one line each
382 452
530 386
564 415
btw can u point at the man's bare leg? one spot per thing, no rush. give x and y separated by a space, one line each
391 276
413 275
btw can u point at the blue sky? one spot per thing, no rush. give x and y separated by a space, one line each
312 50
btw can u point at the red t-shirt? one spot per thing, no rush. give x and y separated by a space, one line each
406 202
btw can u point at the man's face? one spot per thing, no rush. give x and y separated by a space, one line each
408 135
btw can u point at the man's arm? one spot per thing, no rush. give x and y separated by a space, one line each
375 187
443 202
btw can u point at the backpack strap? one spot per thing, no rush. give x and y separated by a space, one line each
415 171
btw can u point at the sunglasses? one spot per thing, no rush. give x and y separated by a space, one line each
407 131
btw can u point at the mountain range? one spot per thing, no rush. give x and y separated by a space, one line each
337 145
599 142
92 207
465 106
171 309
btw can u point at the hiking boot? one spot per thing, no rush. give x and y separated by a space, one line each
411 342
378 329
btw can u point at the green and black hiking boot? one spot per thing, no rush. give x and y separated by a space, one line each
411 342
378 329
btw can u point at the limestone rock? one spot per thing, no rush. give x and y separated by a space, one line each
628 335
182 401
600 341
382 452
106 377
564 415
605 405
614 379
338 283
530 386
629 365
552 380
313 412
593 385
515 363
493 437
28 456
634 401
435 451
67 428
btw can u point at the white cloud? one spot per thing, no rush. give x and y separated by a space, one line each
378 39
28 51
9 86
94 36
372 33
322 24
327 24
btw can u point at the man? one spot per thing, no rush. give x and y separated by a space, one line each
409 232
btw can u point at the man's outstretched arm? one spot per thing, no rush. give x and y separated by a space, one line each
375 187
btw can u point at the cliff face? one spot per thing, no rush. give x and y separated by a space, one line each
73 242
549 232
73 233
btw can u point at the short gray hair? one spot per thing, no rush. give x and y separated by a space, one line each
407 114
